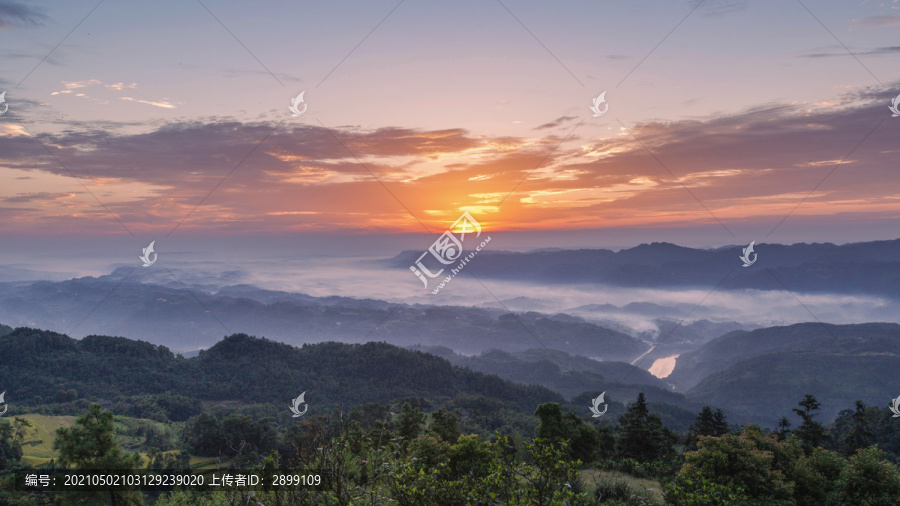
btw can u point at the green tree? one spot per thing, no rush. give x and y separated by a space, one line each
784 428
445 425
553 476
732 469
867 480
203 435
643 436
90 443
428 451
709 423
583 440
410 421
470 457
811 432
551 422
816 477
10 446
859 434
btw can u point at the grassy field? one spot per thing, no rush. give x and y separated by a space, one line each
38 446
590 477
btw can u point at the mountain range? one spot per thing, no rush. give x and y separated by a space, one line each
871 268
188 319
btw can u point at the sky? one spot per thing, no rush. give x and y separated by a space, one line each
728 121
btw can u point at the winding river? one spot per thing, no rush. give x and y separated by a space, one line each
663 367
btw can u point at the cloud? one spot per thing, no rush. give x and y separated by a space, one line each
121 86
718 8
557 122
749 165
72 87
15 14
160 103
841 52
298 169
39 196
881 21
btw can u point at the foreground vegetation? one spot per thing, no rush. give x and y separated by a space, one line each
392 426
409 457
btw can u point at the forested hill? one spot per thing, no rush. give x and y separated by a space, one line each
758 375
37 365
725 351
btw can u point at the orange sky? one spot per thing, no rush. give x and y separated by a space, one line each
120 131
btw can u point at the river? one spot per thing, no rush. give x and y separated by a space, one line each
663 367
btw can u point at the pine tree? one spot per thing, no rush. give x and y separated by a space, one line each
643 436
90 443
709 423
784 428
411 420
859 434
445 425
810 432
551 427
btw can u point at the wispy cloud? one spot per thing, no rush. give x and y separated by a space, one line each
837 51
557 122
881 21
15 14
72 87
158 103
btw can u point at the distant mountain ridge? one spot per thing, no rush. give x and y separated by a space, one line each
189 319
864 268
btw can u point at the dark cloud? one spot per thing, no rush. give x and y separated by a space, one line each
843 52
718 8
557 122
187 153
32 197
15 14
222 164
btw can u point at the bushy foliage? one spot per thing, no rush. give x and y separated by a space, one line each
866 480
613 492
756 468
733 465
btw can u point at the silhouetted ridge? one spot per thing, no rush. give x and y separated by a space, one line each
245 369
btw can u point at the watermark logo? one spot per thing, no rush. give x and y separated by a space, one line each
2 401
146 256
295 406
600 100
895 407
3 101
295 103
448 249
895 106
595 407
746 256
